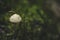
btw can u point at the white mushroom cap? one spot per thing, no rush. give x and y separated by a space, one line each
15 18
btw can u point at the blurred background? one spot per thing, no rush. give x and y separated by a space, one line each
38 20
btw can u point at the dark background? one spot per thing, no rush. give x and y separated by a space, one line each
39 21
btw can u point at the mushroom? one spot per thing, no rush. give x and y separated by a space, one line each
15 18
